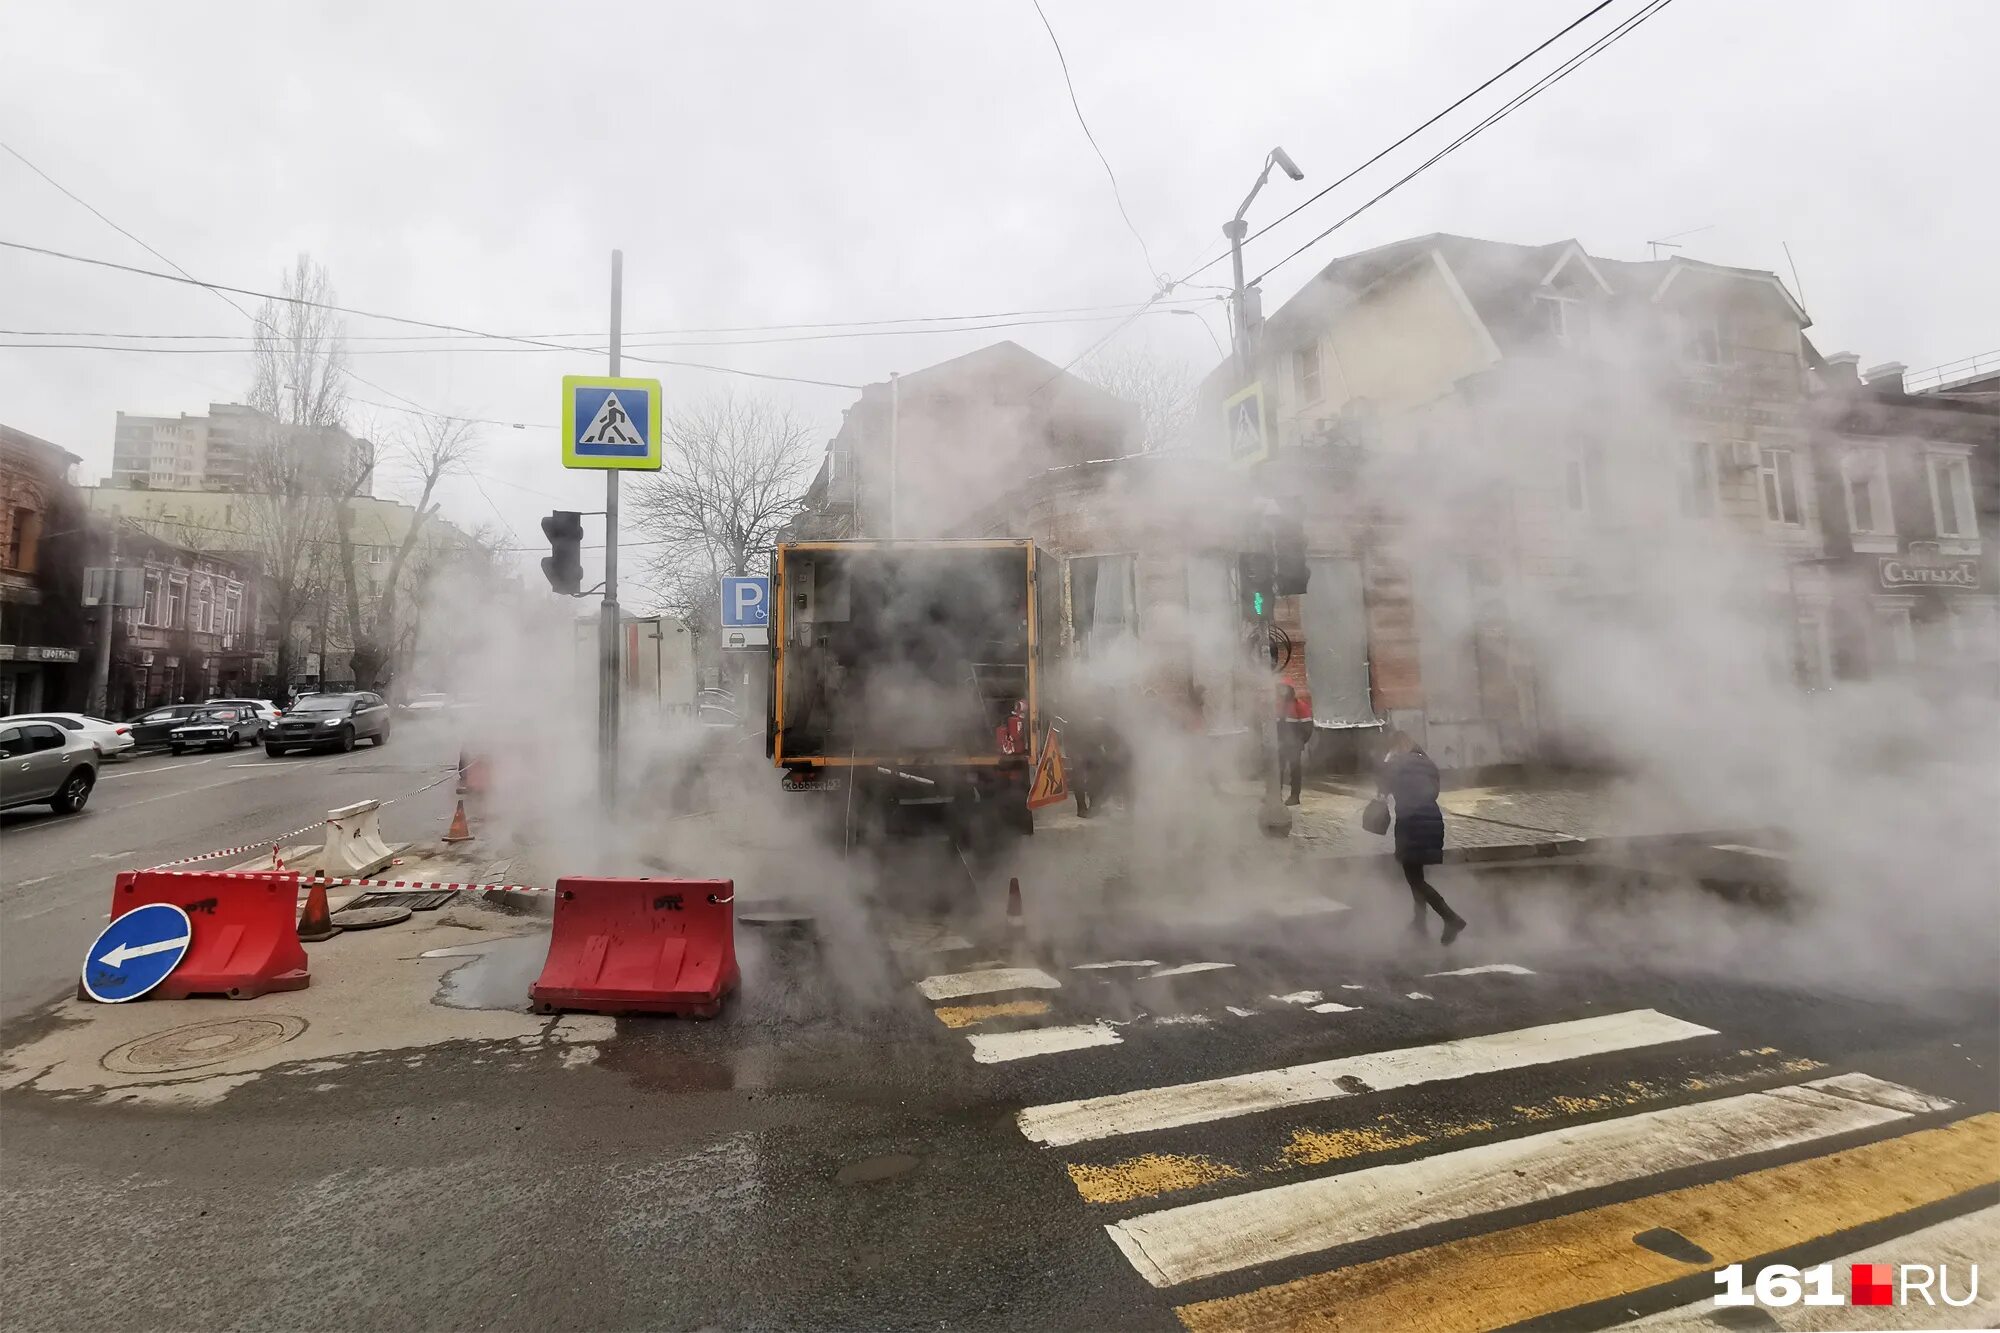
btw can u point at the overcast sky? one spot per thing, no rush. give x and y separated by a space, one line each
800 163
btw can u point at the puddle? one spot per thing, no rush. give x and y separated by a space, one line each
498 976
871 1169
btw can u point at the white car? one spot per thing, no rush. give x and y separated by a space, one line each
112 739
266 711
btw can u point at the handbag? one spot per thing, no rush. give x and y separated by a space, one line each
1375 818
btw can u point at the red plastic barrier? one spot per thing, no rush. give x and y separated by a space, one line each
653 946
245 940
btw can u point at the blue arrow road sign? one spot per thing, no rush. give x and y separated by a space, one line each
136 952
746 602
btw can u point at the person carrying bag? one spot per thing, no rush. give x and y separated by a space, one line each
1411 781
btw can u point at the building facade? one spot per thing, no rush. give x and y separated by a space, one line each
219 451
193 637
42 630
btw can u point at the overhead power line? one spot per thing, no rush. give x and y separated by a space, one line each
234 342
407 320
1567 29
1116 193
1520 100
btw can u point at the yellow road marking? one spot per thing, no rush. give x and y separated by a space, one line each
1145 1176
1141 1177
1526 1272
965 1015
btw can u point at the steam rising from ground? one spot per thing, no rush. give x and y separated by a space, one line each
1658 646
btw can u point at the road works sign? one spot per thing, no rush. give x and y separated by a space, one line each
746 610
136 952
1243 426
611 423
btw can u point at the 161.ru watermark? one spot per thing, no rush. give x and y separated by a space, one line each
1868 1284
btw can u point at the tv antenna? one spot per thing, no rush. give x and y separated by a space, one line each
1667 242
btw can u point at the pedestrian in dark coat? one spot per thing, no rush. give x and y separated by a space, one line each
1410 781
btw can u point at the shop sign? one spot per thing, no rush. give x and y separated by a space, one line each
29 652
1924 566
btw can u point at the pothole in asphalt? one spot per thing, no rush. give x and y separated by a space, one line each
871 1169
200 1044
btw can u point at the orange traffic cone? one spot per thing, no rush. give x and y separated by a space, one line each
1015 921
459 831
316 922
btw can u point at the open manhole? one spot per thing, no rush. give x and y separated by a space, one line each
200 1044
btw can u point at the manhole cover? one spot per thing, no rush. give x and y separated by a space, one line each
416 902
367 918
200 1044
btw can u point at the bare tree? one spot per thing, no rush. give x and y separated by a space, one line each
1163 390
297 381
434 448
736 468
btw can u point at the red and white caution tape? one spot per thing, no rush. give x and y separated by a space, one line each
306 880
274 843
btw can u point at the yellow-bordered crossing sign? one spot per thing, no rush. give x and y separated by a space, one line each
611 423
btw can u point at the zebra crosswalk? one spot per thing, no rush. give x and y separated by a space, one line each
1466 1181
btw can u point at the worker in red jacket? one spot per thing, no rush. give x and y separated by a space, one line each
1295 727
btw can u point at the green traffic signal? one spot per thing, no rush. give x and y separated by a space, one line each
1257 603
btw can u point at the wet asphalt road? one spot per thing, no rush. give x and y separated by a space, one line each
829 1155
56 870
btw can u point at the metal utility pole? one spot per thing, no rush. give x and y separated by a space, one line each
107 610
895 446
607 666
1272 816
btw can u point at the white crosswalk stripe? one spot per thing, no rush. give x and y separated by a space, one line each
1217 1236
1297 1085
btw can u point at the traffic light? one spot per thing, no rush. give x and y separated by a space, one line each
1253 579
1288 539
563 566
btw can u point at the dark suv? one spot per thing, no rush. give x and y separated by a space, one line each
329 722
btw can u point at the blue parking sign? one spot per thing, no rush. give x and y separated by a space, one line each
746 602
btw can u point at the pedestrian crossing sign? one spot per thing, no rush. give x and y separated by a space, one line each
1244 427
611 423
1051 783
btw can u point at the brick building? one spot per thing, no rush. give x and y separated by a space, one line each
193 636
42 631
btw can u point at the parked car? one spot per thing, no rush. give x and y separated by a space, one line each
419 704
208 728
41 762
150 728
266 711
112 739
329 722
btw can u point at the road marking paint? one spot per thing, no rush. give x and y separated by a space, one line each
951 985
1767 852
1511 969
1332 1008
1543 1268
990 1048
1958 1244
1184 969
950 943
1296 1085
1183 1020
110 856
1349 985
1300 997
1417 995
163 768
1240 1013
1146 1175
1309 1147
1117 962
39 879
1218 1236
965 1015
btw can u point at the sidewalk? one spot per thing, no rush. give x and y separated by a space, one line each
1328 819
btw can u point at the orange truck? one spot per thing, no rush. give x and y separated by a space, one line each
907 675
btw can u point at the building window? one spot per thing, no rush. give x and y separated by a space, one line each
378 555
1698 481
1778 475
1865 474
1305 373
149 614
1704 338
1568 319
1103 599
22 531
1951 496
1895 640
